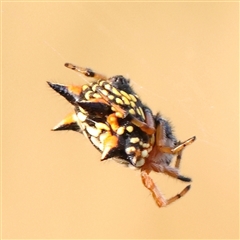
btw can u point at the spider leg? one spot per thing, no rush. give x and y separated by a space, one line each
149 184
86 71
149 118
161 140
178 160
181 194
148 126
182 145
179 152
174 172
160 200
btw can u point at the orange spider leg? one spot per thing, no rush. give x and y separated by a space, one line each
161 141
160 200
160 138
179 158
86 71
171 171
149 119
148 126
182 145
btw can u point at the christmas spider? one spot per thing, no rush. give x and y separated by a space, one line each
111 115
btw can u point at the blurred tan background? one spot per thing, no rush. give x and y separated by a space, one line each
182 59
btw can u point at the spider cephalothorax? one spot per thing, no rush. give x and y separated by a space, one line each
111 115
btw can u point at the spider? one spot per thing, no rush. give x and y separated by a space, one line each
111 115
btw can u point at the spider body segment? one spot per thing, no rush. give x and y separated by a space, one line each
111 115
